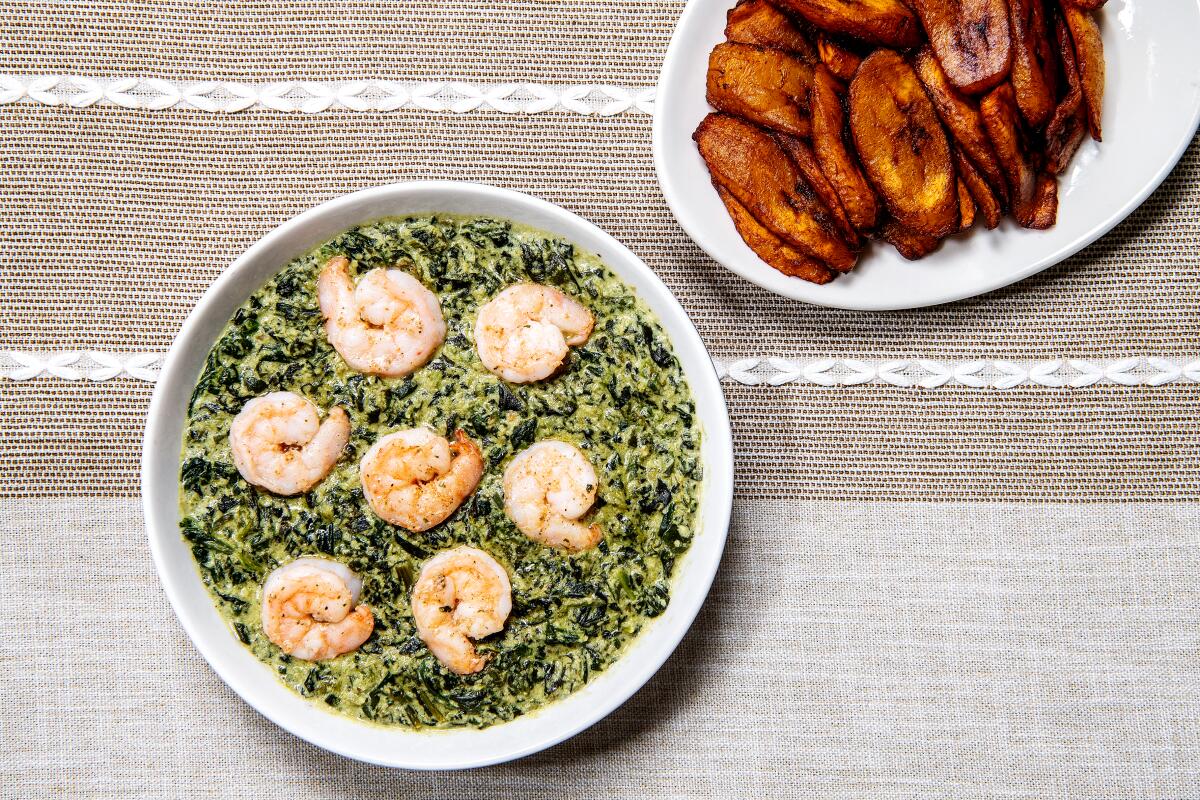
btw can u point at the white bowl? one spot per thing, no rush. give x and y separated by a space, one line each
253 680
1151 110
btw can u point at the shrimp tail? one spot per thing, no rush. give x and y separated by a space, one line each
463 446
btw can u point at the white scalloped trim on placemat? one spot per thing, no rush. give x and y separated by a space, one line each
310 97
75 366
930 374
918 372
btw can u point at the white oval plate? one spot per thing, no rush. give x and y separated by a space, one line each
253 680
1151 110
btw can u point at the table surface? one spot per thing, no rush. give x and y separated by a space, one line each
934 586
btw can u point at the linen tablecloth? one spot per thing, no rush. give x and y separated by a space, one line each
964 557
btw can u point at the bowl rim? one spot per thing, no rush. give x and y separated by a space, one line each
759 273
714 509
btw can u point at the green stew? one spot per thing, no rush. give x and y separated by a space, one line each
621 398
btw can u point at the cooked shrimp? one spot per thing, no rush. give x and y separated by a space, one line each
415 478
523 333
460 595
547 488
280 443
310 609
389 324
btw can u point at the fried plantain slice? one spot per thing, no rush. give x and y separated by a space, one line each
1030 194
909 243
837 162
753 167
837 57
1090 5
1089 57
1068 125
961 117
901 145
986 202
1064 135
804 158
770 248
763 85
1042 212
966 207
758 22
1035 67
1000 118
885 22
971 39
1070 66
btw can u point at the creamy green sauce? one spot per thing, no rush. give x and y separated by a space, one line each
621 398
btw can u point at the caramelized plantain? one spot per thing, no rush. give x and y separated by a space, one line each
837 162
961 117
966 206
765 86
806 160
1068 125
971 39
1090 5
1000 118
1042 212
885 22
1034 68
752 166
1089 57
909 243
758 22
901 144
770 248
986 202
838 58
1064 134
1031 194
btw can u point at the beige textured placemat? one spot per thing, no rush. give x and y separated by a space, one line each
564 41
127 216
848 650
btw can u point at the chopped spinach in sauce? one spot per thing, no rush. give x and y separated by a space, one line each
621 398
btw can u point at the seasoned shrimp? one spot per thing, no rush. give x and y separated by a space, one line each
389 324
280 443
310 609
460 595
415 478
547 488
523 333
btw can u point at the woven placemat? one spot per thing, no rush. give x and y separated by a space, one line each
891 651
563 41
118 219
